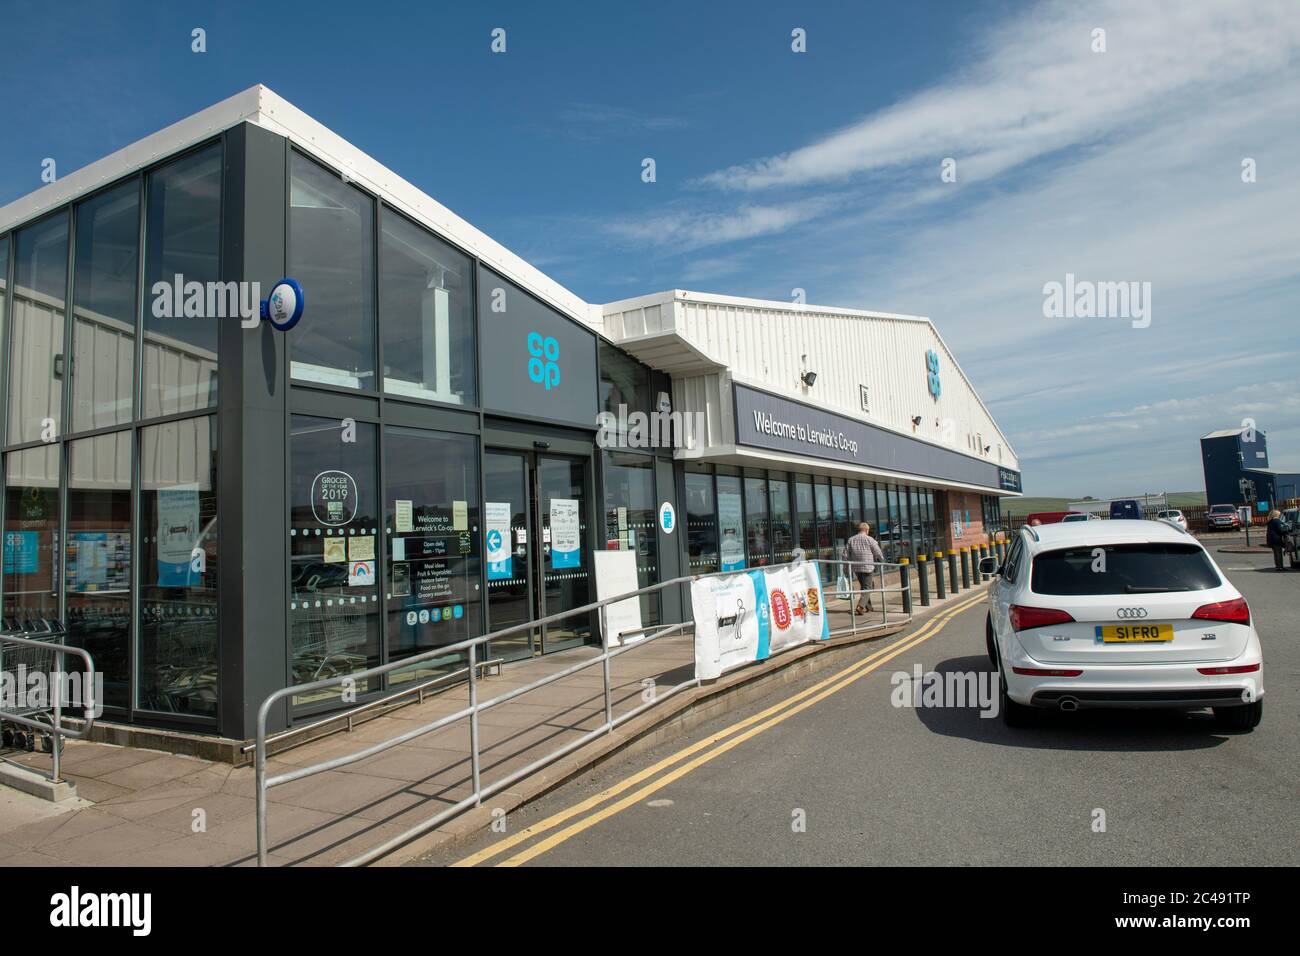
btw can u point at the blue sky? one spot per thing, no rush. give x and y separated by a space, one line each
818 170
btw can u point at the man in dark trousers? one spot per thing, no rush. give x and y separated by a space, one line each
1276 537
862 553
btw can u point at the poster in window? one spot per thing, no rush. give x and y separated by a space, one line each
497 536
566 549
178 534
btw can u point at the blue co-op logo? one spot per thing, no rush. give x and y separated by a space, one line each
543 366
932 367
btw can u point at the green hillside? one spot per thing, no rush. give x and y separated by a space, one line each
1026 505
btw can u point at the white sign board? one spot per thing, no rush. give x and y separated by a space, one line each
615 575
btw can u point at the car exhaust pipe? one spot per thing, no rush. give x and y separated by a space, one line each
1069 704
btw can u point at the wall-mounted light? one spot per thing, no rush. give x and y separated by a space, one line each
916 421
986 449
808 379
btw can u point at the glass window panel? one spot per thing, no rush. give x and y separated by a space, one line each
758 539
731 520
629 483
822 494
333 542
855 506
783 539
623 382
97 557
871 514
807 518
840 508
701 520
331 253
176 667
427 314
36 365
182 238
31 536
432 523
103 308
4 283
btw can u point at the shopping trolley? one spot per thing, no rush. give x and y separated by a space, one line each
31 712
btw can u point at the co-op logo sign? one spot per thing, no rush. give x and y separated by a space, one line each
544 360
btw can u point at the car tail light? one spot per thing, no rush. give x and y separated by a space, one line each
1023 618
1235 611
1233 669
1046 672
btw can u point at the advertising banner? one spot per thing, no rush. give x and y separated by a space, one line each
746 617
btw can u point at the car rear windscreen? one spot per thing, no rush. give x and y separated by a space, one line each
1123 569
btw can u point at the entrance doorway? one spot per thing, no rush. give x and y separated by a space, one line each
537 548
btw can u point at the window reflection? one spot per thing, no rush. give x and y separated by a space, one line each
31 536
177 667
103 307
631 520
428 321
97 557
701 520
182 238
331 252
36 360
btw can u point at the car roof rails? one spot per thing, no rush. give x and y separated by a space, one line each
1030 529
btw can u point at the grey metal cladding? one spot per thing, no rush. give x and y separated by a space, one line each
764 420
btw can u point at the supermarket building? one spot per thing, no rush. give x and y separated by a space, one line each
217 511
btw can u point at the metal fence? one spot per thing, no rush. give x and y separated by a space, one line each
38 652
474 648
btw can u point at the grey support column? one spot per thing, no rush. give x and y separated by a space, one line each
251 450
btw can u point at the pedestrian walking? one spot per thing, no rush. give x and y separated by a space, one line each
862 552
1276 537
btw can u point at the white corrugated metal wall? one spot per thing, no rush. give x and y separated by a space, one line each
765 344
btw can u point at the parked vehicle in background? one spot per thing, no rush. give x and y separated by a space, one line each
1174 517
1046 517
1080 516
1223 516
1126 508
1154 624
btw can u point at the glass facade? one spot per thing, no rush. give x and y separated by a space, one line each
701 520
631 521
110 515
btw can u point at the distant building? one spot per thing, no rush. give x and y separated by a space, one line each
1231 454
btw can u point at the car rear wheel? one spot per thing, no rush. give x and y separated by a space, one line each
1240 718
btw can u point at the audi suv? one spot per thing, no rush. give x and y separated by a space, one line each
1120 614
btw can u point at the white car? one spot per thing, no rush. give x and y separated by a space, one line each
1174 517
1120 613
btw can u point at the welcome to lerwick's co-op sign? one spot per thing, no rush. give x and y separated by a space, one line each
768 421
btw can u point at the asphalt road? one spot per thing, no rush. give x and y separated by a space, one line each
876 783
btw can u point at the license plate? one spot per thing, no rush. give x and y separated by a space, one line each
1134 633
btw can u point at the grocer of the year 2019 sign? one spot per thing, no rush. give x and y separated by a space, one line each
764 420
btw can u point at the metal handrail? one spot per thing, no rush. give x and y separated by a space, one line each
475 707
350 715
55 727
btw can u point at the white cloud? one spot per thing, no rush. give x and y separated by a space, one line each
685 228
1040 88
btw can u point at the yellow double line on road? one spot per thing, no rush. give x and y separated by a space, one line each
751 727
